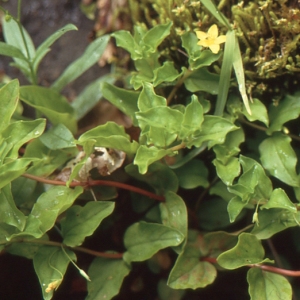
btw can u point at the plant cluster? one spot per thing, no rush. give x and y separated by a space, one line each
195 137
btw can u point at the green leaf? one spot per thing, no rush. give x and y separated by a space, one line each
279 199
90 56
226 70
143 240
125 40
174 213
162 117
52 203
47 160
287 109
123 99
90 96
235 206
217 242
12 170
202 80
279 158
9 96
229 171
214 130
11 51
192 118
247 251
192 174
81 222
27 249
268 286
258 112
212 214
155 36
106 276
210 6
13 36
50 265
148 99
50 103
20 132
9 213
43 49
58 137
189 271
272 221
165 73
159 176
110 135
147 155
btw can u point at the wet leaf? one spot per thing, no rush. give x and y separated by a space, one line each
9 95
106 276
58 137
50 265
81 222
268 286
143 240
20 132
247 251
9 213
279 158
50 103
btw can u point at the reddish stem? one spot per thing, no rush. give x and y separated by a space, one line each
97 182
262 267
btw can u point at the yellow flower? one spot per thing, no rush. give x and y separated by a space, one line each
211 39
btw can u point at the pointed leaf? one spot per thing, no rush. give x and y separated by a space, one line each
50 265
148 99
43 49
12 170
279 158
52 104
81 222
9 213
214 130
90 96
110 135
190 272
147 155
11 51
143 240
272 221
90 56
287 109
174 213
258 112
268 286
20 132
165 73
123 99
58 137
9 96
106 276
247 251
279 199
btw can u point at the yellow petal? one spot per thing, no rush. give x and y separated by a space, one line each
205 43
201 35
213 31
220 39
214 48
